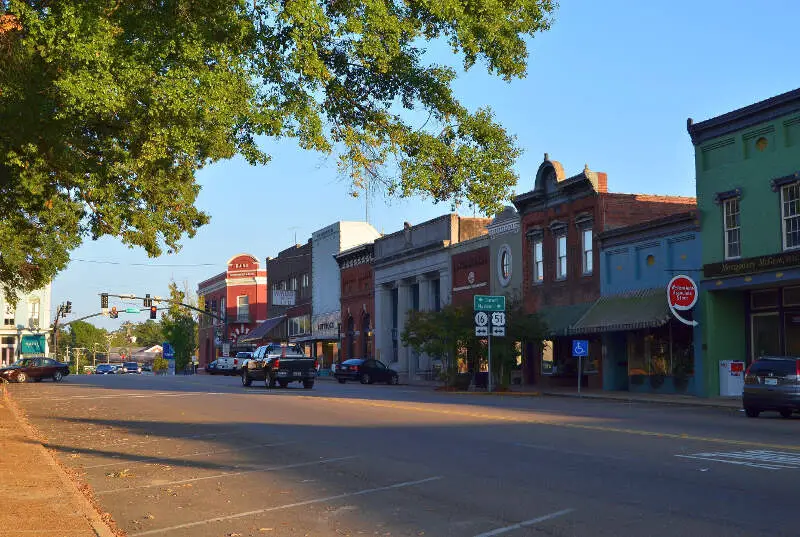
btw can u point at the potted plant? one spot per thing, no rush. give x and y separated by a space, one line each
682 370
659 372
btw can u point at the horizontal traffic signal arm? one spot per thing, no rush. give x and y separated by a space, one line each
168 301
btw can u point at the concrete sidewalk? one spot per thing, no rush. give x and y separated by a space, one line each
39 498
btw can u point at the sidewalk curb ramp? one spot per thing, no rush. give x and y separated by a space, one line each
79 498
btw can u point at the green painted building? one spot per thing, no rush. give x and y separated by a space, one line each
748 198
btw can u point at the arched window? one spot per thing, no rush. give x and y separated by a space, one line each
351 328
366 337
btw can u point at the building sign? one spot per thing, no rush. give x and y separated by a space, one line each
751 265
283 297
505 227
326 325
33 344
682 295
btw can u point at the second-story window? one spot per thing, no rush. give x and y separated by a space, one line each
8 320
790 213
293 283
242 309
305 280
586 233
733 240
561 256
538 261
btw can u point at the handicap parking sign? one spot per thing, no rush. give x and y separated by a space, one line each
580 347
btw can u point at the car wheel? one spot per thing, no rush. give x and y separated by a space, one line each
394 380
283 383
365 379
342 381
57 376
752 412
786 413
246 381
308 384
22 377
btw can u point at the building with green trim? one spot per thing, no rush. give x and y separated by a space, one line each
748 196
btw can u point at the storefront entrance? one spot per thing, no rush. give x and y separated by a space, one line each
774 327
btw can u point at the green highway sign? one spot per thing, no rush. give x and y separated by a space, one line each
131 310
489 303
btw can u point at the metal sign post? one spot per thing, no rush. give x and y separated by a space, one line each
580 348
486 326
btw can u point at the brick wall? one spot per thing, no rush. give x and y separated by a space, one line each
622 210
358 302
463 263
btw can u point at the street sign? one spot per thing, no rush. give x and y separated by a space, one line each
489 303
682 294
481 331
580 347
498 331
131 310
498 318
481 318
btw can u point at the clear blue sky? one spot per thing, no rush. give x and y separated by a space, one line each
610 85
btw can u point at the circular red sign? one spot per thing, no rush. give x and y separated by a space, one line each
682 292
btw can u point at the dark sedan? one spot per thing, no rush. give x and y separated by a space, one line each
365 371
34 369
105 369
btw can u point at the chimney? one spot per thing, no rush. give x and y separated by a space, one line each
602 182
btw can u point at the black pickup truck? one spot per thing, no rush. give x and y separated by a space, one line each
279 365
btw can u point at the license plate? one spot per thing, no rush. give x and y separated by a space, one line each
771 382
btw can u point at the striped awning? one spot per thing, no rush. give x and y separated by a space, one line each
630 311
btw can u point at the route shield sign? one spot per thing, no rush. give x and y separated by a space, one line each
481 318
498 318
489 303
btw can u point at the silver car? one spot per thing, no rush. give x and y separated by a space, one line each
772 383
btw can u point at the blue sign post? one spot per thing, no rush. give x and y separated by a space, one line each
168 353
580 348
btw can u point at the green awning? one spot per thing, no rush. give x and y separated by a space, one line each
33 344
630 311
559 319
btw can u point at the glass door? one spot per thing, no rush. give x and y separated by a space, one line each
765 335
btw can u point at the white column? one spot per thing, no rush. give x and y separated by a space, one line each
445 287
382 322
403 303
425 298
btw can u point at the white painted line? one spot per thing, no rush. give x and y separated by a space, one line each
195 454
738 463
527 523
228 474
288 506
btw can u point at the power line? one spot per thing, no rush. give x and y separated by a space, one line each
155 265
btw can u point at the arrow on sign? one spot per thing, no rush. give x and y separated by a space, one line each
499 331
481 331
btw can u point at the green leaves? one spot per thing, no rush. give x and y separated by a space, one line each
108 109
179 327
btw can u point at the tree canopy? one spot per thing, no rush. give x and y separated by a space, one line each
108 108
179 327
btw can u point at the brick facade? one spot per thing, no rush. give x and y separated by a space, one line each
470 266
357 302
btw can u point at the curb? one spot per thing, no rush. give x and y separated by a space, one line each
695 404
89 511
494 394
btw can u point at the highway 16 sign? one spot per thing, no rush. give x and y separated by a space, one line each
481 318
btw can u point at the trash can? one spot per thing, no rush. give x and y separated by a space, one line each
731 378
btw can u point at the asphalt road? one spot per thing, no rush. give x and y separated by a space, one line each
204 456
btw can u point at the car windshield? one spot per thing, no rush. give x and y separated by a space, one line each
25 362
105 366
131 365
353 361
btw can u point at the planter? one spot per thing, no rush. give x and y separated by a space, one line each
656 381
681 383
637 380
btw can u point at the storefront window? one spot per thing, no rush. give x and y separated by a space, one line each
766 299
792 333
547 358
766 335
791 296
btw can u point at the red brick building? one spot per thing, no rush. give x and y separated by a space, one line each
239 296
561 218
470 269
357 302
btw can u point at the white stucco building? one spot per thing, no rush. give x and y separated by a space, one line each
413 272
326 282
26 326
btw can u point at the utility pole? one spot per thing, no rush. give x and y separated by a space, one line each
94 354
109 337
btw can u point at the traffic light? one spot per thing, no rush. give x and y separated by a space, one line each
147 300
114 313
153 312
69 307
104 301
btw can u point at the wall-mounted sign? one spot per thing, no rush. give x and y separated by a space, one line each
682 295
325 325
752 265
282 297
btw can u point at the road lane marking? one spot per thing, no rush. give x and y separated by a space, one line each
289 506
136 395
769 460
525 418
526 523
195 454
228 474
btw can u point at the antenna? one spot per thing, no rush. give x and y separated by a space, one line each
294 228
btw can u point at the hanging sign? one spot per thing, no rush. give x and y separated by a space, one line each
682 294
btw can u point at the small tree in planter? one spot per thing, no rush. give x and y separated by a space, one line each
160 365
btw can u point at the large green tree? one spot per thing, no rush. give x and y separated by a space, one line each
148 333
179 327
109 107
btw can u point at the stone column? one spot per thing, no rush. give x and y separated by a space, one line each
425 298
382 323
403 303
445 287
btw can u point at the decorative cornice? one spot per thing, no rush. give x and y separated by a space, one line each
719 197
779 182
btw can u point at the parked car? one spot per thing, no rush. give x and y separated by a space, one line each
772 383
105 369
147 370
35 369
280 364
365 371
211 368
232 365
131 367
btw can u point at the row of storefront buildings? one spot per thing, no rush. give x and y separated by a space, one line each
592 263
